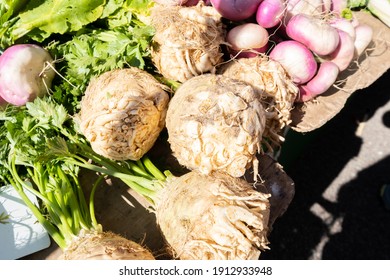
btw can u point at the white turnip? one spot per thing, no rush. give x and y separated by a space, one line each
296 59
187 41
343 24
25 73
215 123
247 39
123 112
270 13
363 38
325 77
276 90
344 53
316 34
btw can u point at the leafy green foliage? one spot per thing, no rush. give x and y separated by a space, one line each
57 16
42 133
95 52
25 132
44 18
10 8
96 36
356 3
40 141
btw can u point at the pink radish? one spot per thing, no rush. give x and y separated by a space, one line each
344 52
296 59
321 82
24 74
270 13
236 10
247 36
344 25
316 34
363 38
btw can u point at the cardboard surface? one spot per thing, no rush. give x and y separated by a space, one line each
360 74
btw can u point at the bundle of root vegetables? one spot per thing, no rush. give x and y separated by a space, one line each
289 51
223 79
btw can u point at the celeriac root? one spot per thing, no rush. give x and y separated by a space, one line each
215 217
123 112
215 123
105 246
187 40
275 87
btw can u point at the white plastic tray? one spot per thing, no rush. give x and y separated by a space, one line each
20 232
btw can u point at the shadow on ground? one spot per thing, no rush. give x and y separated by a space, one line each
365 223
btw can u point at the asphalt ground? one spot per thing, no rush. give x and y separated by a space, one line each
337 212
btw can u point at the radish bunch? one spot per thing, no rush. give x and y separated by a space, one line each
305 43
309 39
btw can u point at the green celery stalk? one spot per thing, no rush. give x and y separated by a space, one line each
381 9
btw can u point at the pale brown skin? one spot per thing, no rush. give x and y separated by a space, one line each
105 246
276 89
216 217
215 123
123 112
187 41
